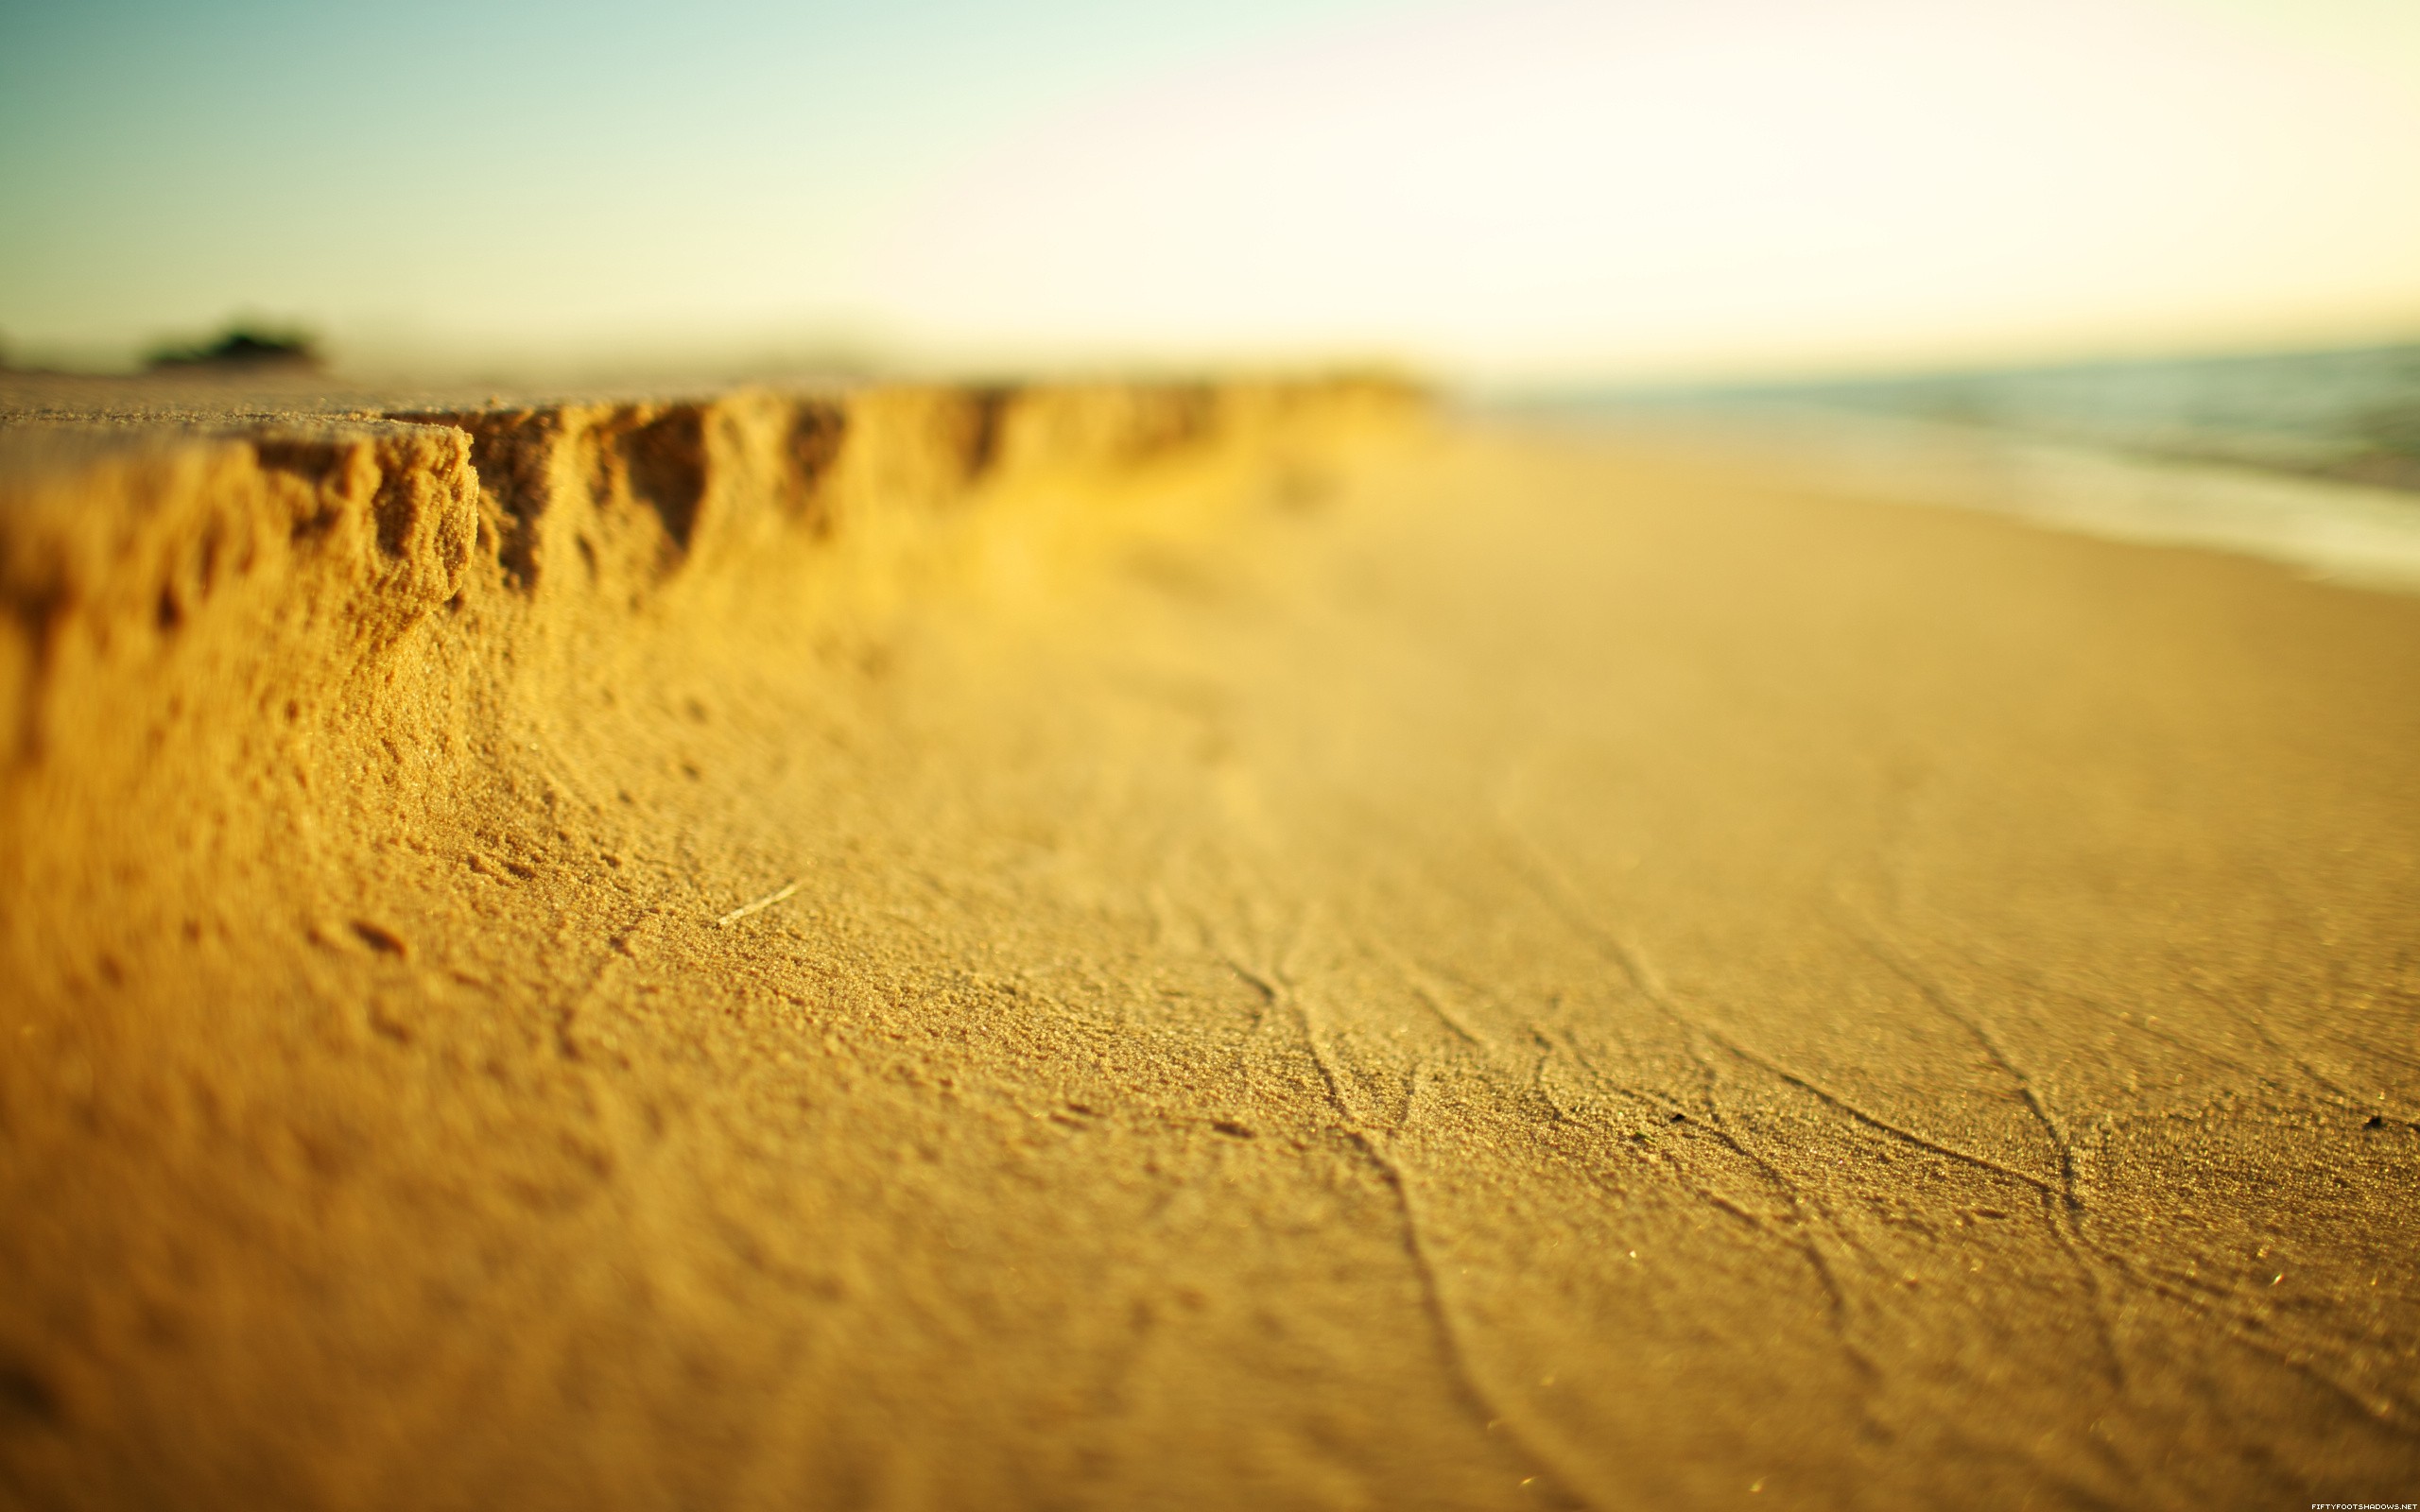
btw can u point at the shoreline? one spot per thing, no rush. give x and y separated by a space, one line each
2337 531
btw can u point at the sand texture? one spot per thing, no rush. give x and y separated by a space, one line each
1222 947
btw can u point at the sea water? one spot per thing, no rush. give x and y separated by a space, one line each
2310 458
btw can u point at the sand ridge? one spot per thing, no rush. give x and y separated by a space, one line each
1182 948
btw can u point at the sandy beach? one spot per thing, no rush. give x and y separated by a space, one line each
1247 946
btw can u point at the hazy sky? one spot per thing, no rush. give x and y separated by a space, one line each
1510 190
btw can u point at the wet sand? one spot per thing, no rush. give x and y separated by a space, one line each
1178 947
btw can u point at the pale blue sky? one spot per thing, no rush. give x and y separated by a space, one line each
1538 187
162 162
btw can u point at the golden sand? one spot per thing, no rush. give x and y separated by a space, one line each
1162 948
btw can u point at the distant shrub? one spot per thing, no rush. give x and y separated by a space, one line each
242 346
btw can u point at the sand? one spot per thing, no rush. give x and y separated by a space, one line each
1225 947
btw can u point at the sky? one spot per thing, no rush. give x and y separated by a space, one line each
1527 191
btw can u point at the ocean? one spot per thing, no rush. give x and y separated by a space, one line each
2307 457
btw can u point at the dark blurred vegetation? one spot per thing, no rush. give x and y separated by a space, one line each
242 345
